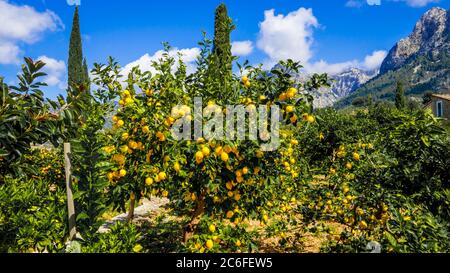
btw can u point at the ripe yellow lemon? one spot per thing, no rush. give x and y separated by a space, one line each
224 156
311 119
237 196
238 243
349 165
229 214
212 228
245 170
148 92
356 156
218 150
177 167
120 123
290 109
148 181
162 176
124 149
209 244
363 224
199 156
206 151
110 176
292 92
126 93
145 129
244 79
122 173
129 101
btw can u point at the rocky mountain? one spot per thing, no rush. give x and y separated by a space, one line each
343 85
348 81
421 61
430 35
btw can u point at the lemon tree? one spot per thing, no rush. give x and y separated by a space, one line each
212 180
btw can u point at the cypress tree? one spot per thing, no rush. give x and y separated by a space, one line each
86 74
76 69
400 100
222 46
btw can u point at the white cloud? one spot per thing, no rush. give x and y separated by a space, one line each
418 3
291 36
56 72
9 53
411 3
374 60
287 37
330 68
371 62
74 2
189 56
22 24
241 48
373 2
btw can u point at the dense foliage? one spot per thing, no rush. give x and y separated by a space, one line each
351 180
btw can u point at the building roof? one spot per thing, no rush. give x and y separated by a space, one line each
442 96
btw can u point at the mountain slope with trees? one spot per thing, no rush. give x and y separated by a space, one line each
421 61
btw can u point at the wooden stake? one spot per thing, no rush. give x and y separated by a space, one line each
70 204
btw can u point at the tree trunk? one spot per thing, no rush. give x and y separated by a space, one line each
131 209
191 227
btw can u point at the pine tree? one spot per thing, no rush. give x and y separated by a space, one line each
77 71
400 100
222 45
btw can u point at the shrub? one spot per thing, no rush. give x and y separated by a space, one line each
33 216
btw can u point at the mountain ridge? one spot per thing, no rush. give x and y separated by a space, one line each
421 61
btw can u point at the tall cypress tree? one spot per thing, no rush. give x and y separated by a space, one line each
400 100
222 46
77 70
86 74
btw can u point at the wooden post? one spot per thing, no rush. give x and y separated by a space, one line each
70 204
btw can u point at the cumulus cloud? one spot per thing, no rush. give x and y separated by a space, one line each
56 72
287 36
374 60
22 24
74 2
290 37
188 55
9 53
241 48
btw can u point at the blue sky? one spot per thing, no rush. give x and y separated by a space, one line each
326 35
